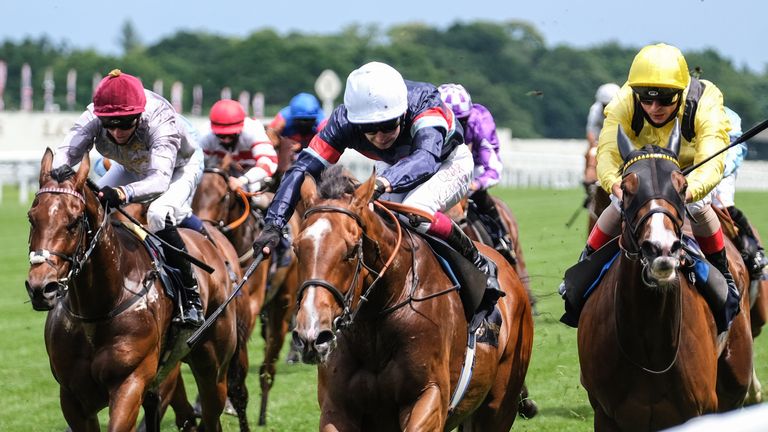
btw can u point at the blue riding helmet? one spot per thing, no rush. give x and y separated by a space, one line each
304 106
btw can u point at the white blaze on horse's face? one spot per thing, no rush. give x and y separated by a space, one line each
663 268
314 233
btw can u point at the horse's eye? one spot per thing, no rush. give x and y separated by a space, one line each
352 253
31 221
73 225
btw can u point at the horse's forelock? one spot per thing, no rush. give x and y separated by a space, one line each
62 173
335 182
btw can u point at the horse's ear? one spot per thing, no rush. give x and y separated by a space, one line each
45 166
625 145
308 191
82 172
679 182
364 192
673 144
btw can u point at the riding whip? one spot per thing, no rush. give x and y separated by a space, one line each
192 340
190 258
745 136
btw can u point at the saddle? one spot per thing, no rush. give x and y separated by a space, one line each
471 284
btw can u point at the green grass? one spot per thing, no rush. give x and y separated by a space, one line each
29 396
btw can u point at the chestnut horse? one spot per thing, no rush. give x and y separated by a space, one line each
387 327
109 318
228 210
648 346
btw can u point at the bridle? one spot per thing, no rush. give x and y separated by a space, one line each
345 300
81 254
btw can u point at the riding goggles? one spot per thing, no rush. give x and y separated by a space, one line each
384 127
662 95
119 122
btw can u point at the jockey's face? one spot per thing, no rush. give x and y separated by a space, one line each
120 128
658 112
383 140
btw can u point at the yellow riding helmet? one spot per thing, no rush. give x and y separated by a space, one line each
659 65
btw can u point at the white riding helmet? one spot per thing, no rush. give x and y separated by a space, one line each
375 93
606 92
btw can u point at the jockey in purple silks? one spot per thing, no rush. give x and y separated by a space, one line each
480 136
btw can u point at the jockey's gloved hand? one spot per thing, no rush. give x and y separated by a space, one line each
379 189
111 196
269 237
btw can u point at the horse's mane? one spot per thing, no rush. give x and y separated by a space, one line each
62 173
336 182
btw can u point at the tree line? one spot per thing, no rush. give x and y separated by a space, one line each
535 90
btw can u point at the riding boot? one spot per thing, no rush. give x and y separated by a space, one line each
192 308
499 235
462 244
573 311
724 316
751 250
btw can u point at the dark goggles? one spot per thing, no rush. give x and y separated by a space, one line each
231 137
384 127
661 95
119 122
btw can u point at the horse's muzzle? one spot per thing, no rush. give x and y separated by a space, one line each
316 350
43 296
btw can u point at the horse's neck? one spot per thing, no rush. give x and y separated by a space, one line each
242 237
647 319
109 269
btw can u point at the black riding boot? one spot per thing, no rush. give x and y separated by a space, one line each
192 309
751 250
459 241
499 235
572 310
724 317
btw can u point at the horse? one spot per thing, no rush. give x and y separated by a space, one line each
386 326
109 319
229 211
648 346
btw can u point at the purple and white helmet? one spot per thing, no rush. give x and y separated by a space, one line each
457 98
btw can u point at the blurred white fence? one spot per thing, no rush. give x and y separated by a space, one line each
527 163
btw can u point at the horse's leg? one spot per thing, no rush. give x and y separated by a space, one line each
185 413
276 323
236 389
74 414
212 390
125 402
602 422
734 370
426 414
151 406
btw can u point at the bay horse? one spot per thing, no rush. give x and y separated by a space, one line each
386 326
109 318
648 346
229 211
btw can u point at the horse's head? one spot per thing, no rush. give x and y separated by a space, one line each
653 207
58 229
213 198
330 260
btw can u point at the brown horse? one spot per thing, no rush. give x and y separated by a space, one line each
387 326
227 210
649 350
109 317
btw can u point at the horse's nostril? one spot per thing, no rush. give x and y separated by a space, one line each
51 288
298 341
325 337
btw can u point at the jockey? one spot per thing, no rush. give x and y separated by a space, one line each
748 244
480 136
155 157
595 119
422 160
245 139
653 97
299 122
